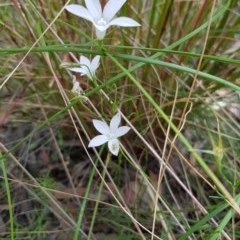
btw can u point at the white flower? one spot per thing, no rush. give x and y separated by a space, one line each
102 19
76 87
87 67
110 134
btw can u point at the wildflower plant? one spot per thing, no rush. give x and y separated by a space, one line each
102 19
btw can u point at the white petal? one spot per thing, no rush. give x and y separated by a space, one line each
95 63
111 8
85 71
80 11
97 141
115 122
95 9
121 131
86 67
124 22
85 61
113 146
75 69
78 70
101 126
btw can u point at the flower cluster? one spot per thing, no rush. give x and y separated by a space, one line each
101 19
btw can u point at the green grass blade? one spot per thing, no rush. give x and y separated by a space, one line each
10 207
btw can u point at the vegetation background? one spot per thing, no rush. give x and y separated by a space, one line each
176 81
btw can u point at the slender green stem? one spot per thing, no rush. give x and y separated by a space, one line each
10 207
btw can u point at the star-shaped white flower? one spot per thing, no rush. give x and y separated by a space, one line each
109 134
87 67
102 19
